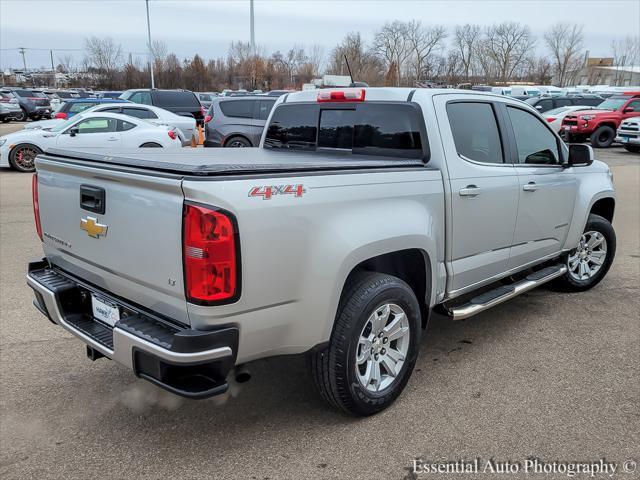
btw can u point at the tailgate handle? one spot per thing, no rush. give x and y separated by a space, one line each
92 199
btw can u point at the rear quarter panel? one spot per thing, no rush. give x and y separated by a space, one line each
296 252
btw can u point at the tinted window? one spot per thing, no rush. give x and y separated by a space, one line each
24 93
369 128
336 128
138 112
544 105
534 141
124 126
239 109
293 126
387 130
97 125
176 98
264 108
592 102
635 105
475 131
563 102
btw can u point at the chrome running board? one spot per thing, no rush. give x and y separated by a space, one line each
503 293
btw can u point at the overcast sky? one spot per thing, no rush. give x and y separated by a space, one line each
208 26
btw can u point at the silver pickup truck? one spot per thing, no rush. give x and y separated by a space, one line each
362 212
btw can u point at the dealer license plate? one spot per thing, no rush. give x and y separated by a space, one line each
104 310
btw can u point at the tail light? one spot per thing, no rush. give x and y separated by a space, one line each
550 119
211 254
203 110
346 95
36 204
172 134
207 118
61 115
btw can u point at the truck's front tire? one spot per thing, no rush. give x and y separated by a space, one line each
590 261
373 346
603 137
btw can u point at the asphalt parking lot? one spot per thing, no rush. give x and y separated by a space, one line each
546 375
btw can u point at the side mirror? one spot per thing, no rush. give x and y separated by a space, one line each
539 107
580 155
74 131
628 110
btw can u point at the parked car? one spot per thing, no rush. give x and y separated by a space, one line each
185 126
58 97
206 98
278 93
599 125
88 130
9 107
33 103
545 103
236 121
180 102
76 105
629 134
554 117
364 210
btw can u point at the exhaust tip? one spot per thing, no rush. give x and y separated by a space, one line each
242 374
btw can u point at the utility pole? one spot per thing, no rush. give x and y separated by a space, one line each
253 33
24 61
53 70
150 51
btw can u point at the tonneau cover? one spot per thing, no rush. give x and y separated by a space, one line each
231 161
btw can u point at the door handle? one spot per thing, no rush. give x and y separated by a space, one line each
112 139
530 187
470 191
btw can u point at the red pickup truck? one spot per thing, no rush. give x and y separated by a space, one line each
601 123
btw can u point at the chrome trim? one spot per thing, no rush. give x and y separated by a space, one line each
468 310
124 342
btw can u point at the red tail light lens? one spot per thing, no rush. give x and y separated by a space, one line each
36 204
172 134
207 118
203 110
347 95
550 119
61 115
210 255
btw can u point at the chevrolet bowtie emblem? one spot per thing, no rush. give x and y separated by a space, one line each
92 227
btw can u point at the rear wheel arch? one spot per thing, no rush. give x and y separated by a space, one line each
411 265
233 137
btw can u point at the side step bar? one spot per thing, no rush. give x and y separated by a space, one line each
503 293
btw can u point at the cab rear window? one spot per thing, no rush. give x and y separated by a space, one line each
384 129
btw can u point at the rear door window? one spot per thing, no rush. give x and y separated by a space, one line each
141 97
563 102
176 98
475 131
369 129
138 112
78 107
264 108
237 109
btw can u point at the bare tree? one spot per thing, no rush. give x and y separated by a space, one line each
291 61
67 63
626 51
564 41
391 45
422 43
466 42
103 53
508 44
316 59
365 66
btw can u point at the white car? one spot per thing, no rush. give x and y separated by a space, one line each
554 117
186 126
629 134
86 130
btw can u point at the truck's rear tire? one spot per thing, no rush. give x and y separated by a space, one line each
590 261
632 148
603 137
373 346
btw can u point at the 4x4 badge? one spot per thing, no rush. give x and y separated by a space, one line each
92 227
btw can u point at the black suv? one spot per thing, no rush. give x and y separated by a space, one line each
33 103
544 104
180 102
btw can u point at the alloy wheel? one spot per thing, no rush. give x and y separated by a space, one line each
382 347
587 259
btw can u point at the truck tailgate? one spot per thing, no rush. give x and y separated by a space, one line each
133 249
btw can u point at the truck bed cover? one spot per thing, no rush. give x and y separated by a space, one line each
230 161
